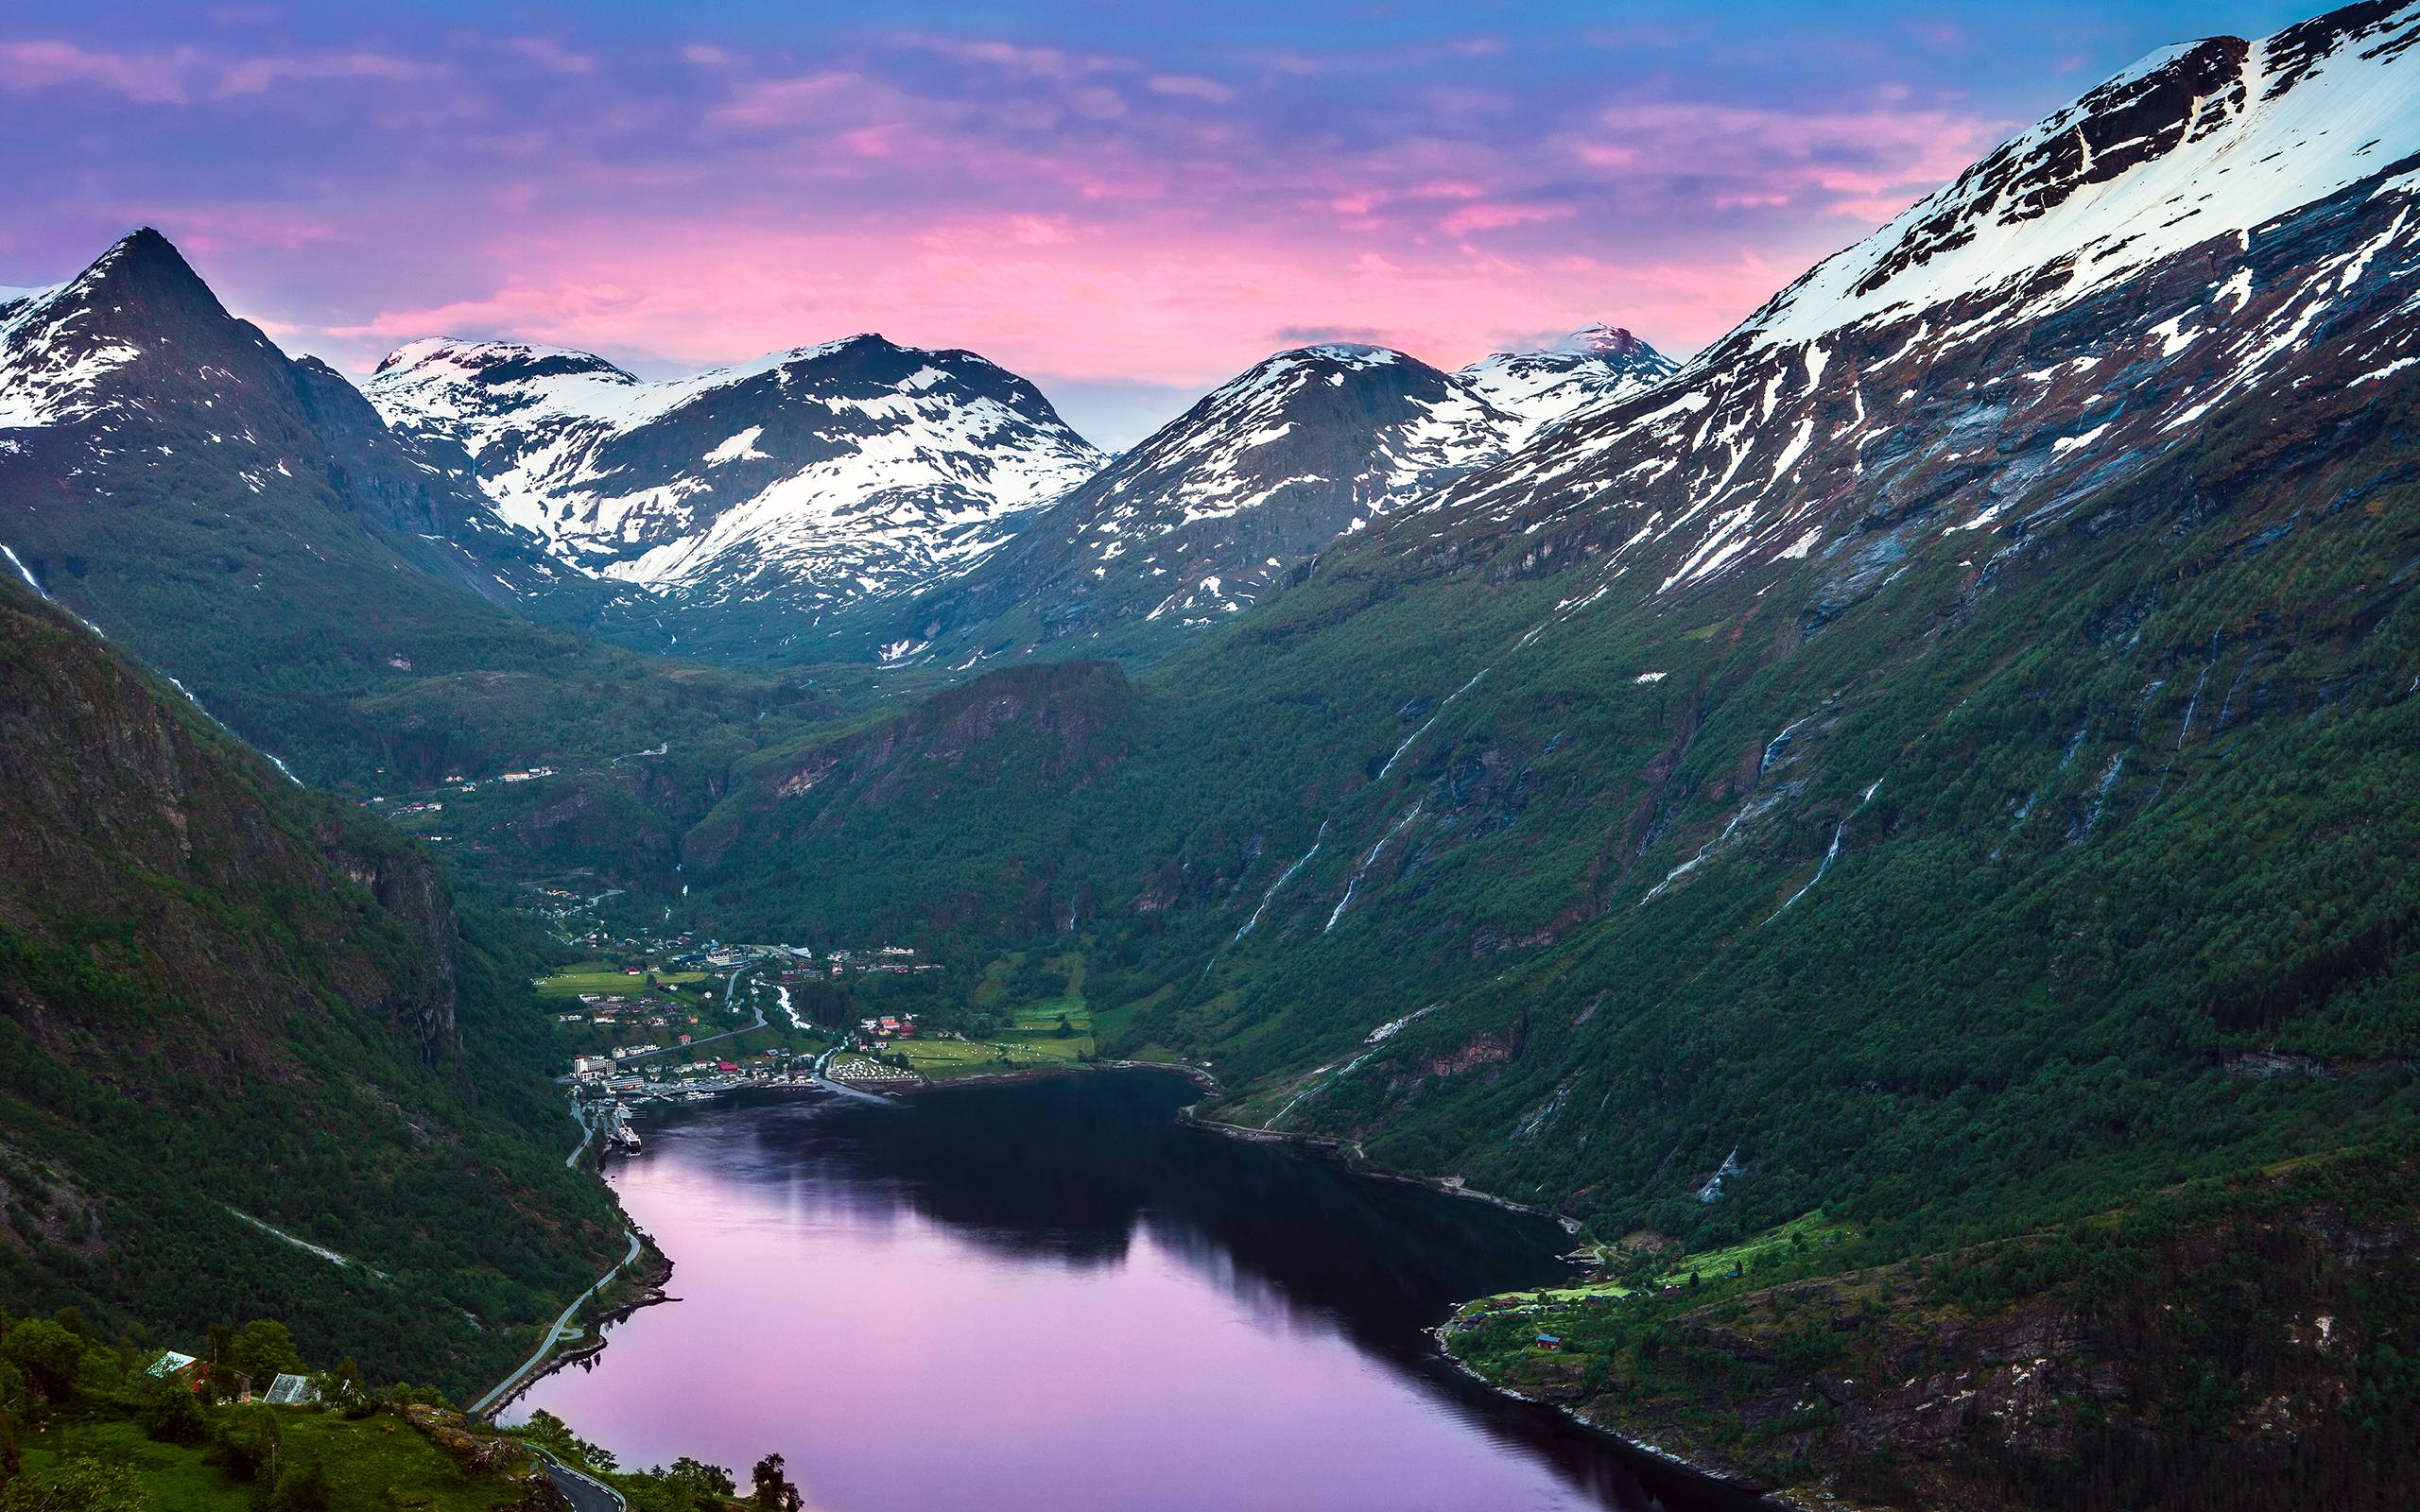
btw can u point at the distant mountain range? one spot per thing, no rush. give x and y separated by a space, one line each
1218 508
754 504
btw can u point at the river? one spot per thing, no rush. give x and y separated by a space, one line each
1053 1296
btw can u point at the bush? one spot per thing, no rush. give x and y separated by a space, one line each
303 1489
172 1416
80 1484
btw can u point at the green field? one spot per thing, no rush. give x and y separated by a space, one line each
1813 1230
378 1462
943 1058
1045 1014
604 977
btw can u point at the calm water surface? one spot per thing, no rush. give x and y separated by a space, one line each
1053 1297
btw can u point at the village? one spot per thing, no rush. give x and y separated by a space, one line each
670 1015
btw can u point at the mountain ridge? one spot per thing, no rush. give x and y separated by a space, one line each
801 481
1224 505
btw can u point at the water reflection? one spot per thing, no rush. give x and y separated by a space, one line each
1055 1295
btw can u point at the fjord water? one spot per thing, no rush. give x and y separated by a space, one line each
1055 1295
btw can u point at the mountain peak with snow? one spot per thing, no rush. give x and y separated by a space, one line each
2210 139
60 346
807 479
2225 233
1217 508
1593 367
1599 339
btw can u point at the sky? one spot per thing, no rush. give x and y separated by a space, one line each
1128 203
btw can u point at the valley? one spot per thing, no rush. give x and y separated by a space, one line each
1880 849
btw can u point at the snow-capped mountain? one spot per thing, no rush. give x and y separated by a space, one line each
130 383
2223 221
241 518
800 481
1208 513
1590 370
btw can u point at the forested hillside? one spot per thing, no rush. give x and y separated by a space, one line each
238 1020
1940 761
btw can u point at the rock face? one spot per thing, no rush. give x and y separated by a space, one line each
240 1019
797 483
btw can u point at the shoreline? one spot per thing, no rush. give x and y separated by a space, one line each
1030 1073
1713 1477
580 1353
1349 1153
1346 1153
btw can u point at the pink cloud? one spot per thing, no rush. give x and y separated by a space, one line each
1188 86
146 78
549 54
1499 218
252 75
1839 162
1192 308
1046 63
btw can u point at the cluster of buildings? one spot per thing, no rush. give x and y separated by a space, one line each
888 1028
895 960
614 1086
287 1390
424 806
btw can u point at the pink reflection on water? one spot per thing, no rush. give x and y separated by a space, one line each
899 1362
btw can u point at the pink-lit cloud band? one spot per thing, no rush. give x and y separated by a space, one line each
1126 203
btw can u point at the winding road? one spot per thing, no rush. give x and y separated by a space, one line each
562 1331
583 1491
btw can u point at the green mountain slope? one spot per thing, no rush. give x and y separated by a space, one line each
229 1004
1961 786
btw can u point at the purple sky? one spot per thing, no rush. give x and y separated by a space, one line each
1128 203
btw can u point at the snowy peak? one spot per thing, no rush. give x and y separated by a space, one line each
60 347
1590 370
2226 234
808 477
1609 341
2193 142
1221 504
1329 437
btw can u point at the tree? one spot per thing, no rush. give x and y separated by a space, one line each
698 1476
774 1493
172 1416
47 1353
346 1390
547 1429
219 1359
262 1351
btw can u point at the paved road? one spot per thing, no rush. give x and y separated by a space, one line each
584 1493
562 1331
